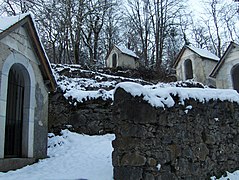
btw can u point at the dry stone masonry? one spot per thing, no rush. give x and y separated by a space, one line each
194 140
188 133
93 117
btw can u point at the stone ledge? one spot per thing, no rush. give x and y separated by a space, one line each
15 163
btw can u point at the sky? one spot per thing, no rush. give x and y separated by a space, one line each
195 6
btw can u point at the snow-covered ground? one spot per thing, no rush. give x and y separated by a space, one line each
75 156
72 156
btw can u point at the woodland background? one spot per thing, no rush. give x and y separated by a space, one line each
84 31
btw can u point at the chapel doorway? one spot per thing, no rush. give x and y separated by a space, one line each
114 60
188 69
14 113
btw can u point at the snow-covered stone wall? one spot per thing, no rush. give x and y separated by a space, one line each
192 137
93 117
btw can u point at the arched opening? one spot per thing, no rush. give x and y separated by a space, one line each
16 125
188 69
114 60
17 62
235 77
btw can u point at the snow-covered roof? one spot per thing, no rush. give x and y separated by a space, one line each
222 60
201 52
11 23
6 22
204 53
127 51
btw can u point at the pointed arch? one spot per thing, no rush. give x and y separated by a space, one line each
19 64
188 69
114 60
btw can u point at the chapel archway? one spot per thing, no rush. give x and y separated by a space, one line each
17 119
114 60
188 69
235 77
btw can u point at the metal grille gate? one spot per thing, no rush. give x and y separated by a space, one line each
14 114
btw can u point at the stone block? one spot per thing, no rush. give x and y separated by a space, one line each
15 163
151 162
167 175
133 159
128 173
149 176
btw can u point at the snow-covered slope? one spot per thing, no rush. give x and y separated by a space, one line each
79 85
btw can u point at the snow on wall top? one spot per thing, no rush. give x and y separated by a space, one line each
162 96
204 53
103 86
6 22
127 51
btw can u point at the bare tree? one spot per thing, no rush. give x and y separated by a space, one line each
163 16
13 7
111 29
220 23
139 18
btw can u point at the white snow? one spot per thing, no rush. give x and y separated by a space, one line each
189 107
82 96
72 156
229 176
76 88
6 22
159 95
204 53
127 51
158 167
162 96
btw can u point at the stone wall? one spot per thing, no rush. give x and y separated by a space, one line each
93 117
191 141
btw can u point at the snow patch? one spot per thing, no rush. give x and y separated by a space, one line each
158 167
161 97
187 109
229 176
